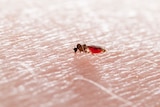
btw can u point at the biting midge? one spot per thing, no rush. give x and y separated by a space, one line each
88 49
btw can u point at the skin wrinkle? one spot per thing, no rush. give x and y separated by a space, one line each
105 90
38 66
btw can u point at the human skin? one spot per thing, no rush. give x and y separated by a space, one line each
38 67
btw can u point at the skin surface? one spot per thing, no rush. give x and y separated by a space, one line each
38 67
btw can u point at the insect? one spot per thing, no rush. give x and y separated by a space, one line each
89 49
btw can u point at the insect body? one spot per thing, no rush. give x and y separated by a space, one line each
89 49
96 49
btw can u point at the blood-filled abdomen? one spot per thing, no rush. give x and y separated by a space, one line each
94 49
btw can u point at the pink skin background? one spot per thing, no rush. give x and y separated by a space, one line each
38 67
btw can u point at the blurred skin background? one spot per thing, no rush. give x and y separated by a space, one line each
38 67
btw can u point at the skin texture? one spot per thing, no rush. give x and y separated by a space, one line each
38 67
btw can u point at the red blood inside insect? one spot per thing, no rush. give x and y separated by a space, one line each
94 49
